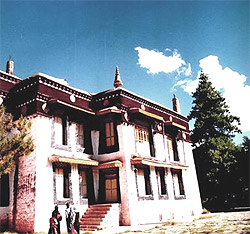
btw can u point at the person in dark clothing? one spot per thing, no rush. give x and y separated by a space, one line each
58 218
76 223
70 217
53 224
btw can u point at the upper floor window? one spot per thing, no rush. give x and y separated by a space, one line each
108 141
61 130
110 136
144 141
172 149
141 134
80 135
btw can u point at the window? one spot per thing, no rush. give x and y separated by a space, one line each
62 182
178 184
110 136
83 184
4 190
141 134
61 132
80 135
143 182
108 141
172 149
144 144
161 181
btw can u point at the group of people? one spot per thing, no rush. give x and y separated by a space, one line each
72 221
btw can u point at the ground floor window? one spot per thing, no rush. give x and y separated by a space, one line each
161 177
178 184
83 184
143 182
62 182
4 190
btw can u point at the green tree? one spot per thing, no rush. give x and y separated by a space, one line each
214 149
14 140
240 175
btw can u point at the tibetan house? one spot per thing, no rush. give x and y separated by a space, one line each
117 157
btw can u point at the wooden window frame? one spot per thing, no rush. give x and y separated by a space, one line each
113 137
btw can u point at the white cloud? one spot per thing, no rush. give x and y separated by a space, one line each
229 82
156 62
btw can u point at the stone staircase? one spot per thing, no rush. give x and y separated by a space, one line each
94 216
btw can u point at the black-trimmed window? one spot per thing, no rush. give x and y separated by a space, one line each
161 177
61 130
83 183
108 137
179 190
172 149
62 181
143 181
4 190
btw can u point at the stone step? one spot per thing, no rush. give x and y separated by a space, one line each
90 222
95 212
100 205
93 215
90 218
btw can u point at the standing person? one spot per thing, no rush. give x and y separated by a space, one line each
58 218
76 223
53 224
70 217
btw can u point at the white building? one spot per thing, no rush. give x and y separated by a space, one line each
114 148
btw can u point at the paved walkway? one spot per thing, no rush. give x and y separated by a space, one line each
231 222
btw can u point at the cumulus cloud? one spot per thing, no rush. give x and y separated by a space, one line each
229 82
156 62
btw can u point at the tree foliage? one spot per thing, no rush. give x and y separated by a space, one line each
214 150
14 140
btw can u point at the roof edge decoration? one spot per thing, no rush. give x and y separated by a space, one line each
60 84
149 102
9 77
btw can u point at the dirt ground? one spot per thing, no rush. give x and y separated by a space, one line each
231 222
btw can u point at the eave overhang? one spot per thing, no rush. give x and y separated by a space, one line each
111 164
60 159
56 101
145 113
113 110
174 124
136 160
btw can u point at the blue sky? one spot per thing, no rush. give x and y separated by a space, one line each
159 46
